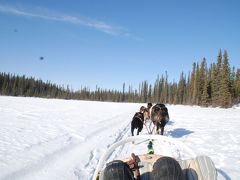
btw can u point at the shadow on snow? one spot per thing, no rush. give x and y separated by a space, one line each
179 132
170 122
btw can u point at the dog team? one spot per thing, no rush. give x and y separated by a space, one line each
154 118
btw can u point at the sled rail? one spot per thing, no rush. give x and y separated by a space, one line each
111 149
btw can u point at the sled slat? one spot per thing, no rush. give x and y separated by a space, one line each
200 168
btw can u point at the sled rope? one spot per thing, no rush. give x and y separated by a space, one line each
153 128
147 128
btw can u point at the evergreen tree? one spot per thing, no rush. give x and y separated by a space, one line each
225 87
165 89
237 86
232 83
205 94
150 93
192 84
217 80
181 89
202 79
161 89
145 91
123 93
196 86
174 93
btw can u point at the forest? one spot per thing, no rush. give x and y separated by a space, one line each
216 85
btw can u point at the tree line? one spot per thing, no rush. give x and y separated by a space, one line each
15 85
217 85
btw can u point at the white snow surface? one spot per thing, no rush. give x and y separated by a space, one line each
63 139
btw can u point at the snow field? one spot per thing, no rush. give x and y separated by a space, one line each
64 139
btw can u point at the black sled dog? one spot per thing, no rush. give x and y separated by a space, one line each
138 120
159 117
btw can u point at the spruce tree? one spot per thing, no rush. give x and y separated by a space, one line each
181 89
196 86
123 93
150 93
232 83
202 79
192 83
205 95
165 89
225 87
237 86
161 90
144 91
174 93
217 69
209 76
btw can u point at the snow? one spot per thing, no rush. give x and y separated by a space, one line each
64 139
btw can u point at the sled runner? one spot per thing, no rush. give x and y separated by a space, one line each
143 166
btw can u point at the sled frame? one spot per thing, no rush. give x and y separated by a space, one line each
111 149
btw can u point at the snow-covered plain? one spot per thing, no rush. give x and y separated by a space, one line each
64 139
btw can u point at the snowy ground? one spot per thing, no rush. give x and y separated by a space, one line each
62 139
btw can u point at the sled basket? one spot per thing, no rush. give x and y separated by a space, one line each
193 167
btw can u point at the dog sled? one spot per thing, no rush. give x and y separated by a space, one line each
149 150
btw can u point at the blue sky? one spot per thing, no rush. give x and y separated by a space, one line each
109 42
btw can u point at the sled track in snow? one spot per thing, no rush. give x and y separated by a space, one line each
119 136
70 154
108 124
